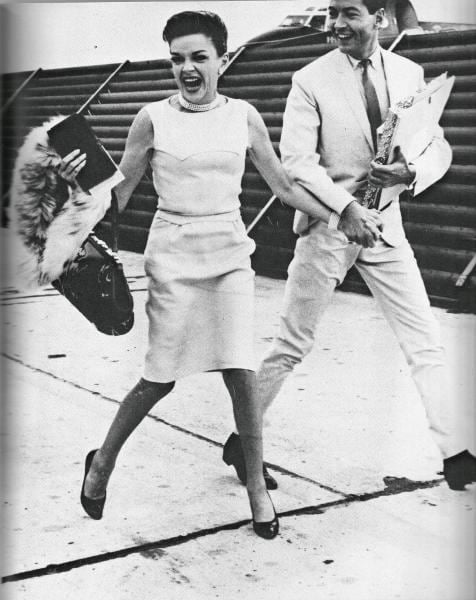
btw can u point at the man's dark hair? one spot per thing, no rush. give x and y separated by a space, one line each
189 22
374 5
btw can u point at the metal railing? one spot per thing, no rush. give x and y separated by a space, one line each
397 40
405 33
18 91
103 85
261 214
467 272
233 58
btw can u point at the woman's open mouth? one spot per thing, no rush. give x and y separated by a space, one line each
192 83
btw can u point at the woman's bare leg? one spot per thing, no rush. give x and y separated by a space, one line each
135 406
241 385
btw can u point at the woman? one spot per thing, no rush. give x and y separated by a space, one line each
201 286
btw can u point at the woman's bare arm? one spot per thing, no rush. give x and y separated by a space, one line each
140 141
263 156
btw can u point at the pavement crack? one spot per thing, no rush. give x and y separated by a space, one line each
401 486
122 553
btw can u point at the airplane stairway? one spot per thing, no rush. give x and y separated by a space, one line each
440 223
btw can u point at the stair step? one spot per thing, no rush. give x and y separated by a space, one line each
456 67
441 54
427 212
443 192
459 118
462 238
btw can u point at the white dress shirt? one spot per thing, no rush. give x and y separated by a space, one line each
376 73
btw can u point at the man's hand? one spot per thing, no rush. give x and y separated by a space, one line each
360 225
399 171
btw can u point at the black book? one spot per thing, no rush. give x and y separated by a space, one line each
75 132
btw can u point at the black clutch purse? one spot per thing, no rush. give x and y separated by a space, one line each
95 283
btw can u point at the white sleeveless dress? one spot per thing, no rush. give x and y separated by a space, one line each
201 286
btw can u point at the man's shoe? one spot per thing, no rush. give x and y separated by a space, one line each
460 470
233 455
270 481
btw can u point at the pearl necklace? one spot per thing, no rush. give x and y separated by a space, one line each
198 107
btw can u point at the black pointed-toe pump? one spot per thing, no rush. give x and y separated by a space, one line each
267 529
93 506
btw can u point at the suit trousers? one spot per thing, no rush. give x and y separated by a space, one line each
321 260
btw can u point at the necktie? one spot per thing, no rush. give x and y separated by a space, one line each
373 108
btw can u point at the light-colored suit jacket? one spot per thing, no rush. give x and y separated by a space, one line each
326 142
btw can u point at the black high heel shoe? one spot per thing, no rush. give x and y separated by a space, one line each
93 506
233 455
267 529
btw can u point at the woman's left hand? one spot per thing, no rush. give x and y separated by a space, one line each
70 167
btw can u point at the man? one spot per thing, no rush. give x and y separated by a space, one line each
328 145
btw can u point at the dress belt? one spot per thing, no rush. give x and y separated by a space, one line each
181 219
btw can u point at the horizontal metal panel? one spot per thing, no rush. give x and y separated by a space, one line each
144 74
436 40
117 108
459 118
456 67
441 259
257 92
460 135
462 100
68 89
136 218
140 85
445 193
272 65
39 102
259 78
441 235
442 53
450 214
463 155
140 96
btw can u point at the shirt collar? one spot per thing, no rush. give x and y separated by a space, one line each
375 59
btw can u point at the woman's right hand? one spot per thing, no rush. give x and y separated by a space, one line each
70 167
361 225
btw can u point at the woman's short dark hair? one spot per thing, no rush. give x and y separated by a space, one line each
189 22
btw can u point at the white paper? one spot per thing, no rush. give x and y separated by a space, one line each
416 126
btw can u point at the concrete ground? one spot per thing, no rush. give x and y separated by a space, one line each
364 513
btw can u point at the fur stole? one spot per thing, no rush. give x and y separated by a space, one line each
50 219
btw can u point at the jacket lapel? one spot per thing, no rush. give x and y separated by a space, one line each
397 78
349 88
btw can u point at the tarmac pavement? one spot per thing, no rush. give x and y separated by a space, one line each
364 513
